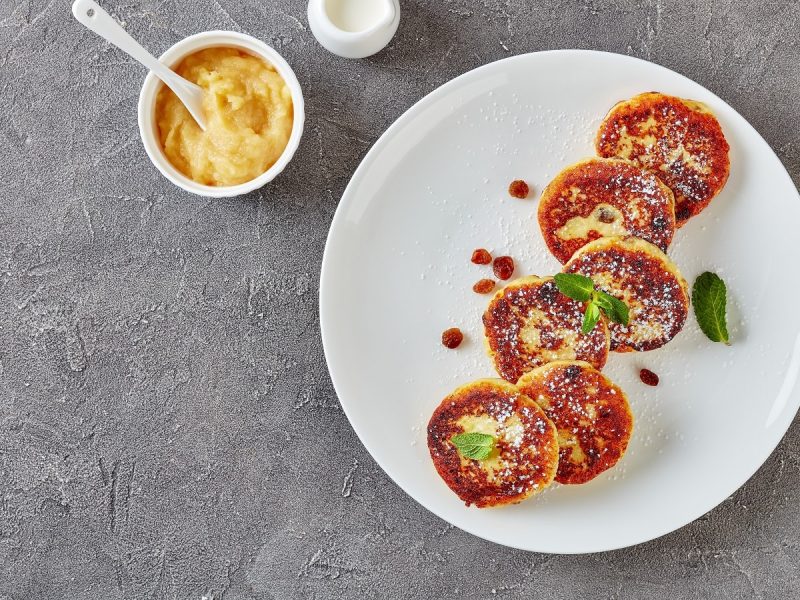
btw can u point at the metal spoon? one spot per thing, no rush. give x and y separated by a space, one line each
95 18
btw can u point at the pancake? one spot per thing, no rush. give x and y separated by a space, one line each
645 279
605 197
591 414
680 140
529 323
525 455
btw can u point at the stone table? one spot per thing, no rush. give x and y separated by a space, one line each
168 428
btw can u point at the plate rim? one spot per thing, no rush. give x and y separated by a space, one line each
793 402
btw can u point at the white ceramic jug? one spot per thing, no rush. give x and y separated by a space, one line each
354 28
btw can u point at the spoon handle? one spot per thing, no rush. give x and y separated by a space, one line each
92 15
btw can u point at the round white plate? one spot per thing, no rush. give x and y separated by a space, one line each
396 273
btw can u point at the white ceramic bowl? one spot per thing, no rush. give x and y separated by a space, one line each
147 104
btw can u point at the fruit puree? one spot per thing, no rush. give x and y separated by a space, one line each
249 114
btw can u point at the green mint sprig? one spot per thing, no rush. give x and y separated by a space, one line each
709 297
582 289
476 446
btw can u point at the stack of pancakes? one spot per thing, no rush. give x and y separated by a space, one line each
554 416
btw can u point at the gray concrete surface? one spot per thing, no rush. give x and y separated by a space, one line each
168 428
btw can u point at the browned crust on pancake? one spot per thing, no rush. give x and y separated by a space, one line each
645 204
526 465
644 278
592 415
680 129
510 309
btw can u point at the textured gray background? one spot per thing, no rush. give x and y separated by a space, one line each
167 425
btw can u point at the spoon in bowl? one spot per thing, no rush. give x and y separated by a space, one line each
95 18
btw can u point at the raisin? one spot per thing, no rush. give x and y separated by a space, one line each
572 371
659 223
548 293
518 189
606 216
648 377
452 337
503 267
481 257
484 286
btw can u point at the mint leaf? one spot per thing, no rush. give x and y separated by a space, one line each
709 297
476 446
602 301
574 286
582 289
590 317
615 309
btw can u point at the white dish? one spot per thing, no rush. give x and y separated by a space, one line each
396 273
171 58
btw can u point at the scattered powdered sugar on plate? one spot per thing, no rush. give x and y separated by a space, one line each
478 212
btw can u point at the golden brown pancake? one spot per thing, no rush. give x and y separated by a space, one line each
679 140
529 323
525 456
642 276
592 415
603 197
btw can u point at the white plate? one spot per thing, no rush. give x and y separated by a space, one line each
396 273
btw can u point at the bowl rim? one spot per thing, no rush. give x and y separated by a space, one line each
176 53
338 34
